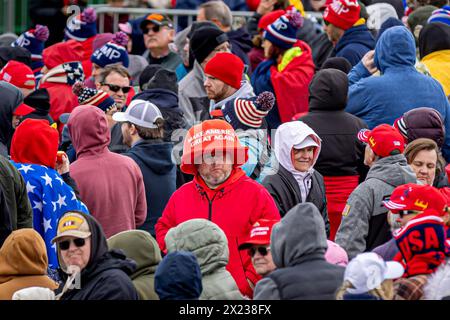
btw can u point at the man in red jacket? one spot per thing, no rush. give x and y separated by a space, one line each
213 154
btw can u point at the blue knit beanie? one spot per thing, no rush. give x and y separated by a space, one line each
112 52
440 15
283 32
83 26
33 40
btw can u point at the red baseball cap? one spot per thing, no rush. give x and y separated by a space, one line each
259 234
269 18
18 74
383 139
416 197
23 109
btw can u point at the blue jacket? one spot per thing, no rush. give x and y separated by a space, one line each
400 87
354 44
154 158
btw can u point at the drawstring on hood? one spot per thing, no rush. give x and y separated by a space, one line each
287 136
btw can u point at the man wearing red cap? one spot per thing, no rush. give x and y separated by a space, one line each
213 154
258 246
364 223
405 203
20 75
347 30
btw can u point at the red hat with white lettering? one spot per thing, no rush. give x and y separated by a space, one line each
259 234
18 74
383 140
416 197
342 13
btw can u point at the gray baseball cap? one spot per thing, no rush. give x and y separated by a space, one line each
140 112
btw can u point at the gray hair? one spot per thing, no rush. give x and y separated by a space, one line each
217 10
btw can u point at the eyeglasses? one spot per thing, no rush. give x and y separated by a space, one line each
155 29
262 251
65 245
116 88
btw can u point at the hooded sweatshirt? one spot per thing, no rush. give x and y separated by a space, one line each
399 89
354 44
106 275
290 186
245 91
241 44
434 49
364 223
23 263
143 249
298 246
209 244
154 158
342 153
110 184
11 99
33 153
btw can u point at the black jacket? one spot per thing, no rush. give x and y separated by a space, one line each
11 98
107 274
285 191
167 103
5 219
342 154
154 158
241 44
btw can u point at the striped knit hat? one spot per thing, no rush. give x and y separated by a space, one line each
283 32
248 113
88 96
440 15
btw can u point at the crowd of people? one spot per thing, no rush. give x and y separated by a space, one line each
289 158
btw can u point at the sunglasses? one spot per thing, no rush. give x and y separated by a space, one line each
262 251
115 88
155 29
403 213
65 245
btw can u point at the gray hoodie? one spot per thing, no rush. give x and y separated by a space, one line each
364 223
11 98
298 246
245 91
209 244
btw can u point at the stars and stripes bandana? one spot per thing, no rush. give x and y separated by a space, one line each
50 197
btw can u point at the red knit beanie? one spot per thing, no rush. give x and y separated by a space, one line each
342 13
208 137
35 142
226 67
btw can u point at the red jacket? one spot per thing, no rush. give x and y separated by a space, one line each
87 50
291 84
235 206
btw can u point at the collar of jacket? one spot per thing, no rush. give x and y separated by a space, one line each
245 91
235 175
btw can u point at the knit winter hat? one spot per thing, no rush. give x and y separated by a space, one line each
248 113
88 96
226 67
205 39
440 15
35 142
422 243
208 137
18 74
33 40
83 26
283 32
342 13
113 52
162 79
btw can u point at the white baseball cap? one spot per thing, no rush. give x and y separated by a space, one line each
368 270
140 112
308 142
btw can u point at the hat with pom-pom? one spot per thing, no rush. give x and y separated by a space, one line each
282 33
248 113
33 40
113 52
88 96
83 26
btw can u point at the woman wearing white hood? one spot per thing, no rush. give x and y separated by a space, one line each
297 148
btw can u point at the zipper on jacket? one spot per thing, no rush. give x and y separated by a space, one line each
210 204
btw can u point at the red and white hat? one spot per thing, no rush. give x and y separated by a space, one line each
18 74
259 234
342 13
416 197
383 139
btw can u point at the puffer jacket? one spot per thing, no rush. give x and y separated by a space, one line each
209 244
